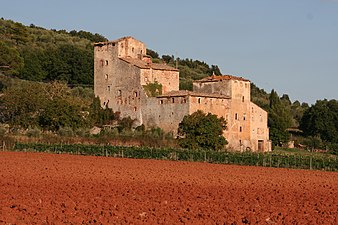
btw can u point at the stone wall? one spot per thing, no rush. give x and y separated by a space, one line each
168 78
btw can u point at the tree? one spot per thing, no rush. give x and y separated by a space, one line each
59 113
321 120
279 120
200 130
10 60
71 64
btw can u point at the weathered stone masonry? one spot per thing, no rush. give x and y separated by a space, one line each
122 68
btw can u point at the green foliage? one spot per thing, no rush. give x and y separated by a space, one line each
61 113
34 53
296 161
152 54
200 130
65 132
153 89
87 35
71 64
279 120
50 106
321 120
10 60
33 132
35 64
102 116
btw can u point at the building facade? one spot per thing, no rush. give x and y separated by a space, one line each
123 74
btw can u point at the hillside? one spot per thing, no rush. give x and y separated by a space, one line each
37 54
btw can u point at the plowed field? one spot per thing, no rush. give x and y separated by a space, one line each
40 188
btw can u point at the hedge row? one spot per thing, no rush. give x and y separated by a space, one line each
315 162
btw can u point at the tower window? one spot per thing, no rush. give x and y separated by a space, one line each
240 129
236 116
119 93
106 62
135 94
199 100
161 102
242 98
173 100
106 76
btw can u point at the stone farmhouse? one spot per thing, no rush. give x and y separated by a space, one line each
123 73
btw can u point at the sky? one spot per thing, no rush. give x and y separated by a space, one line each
287 45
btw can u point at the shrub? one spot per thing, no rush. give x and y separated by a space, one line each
33 132
65 132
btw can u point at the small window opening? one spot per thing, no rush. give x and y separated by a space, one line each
161 102
108 88
119 93
173 100
242 98
135 93
236 116
244 116
199 100
135 109
240 129
106 62
106 76
132 49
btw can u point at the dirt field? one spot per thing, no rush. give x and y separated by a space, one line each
66 189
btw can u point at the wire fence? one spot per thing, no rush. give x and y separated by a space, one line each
278 160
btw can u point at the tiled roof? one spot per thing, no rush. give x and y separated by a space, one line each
183 93
144 65
220 78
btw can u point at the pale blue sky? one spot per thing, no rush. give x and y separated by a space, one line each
288 45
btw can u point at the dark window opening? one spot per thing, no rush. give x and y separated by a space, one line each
236 116
106 62
173 100
199 100
161 102
240 129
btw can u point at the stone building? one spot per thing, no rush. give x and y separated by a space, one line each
124 75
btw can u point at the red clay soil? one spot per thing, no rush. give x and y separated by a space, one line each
39 188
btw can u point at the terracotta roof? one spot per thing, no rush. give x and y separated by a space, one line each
214 78
183 93
144 65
